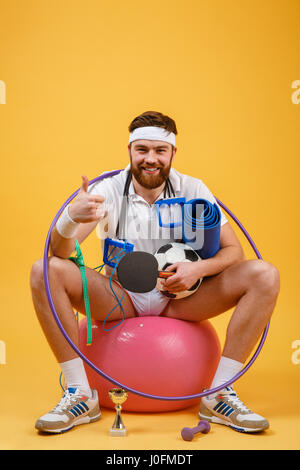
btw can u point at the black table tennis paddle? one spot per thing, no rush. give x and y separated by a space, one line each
138 271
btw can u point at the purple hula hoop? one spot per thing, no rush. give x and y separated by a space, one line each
146 395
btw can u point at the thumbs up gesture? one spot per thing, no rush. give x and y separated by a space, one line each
86 207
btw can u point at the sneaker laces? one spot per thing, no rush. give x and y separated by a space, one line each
67 400
234 399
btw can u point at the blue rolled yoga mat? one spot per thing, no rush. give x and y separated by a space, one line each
206 221
201 224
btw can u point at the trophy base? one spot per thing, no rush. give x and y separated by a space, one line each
117 432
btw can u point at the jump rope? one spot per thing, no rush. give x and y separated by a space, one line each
81 265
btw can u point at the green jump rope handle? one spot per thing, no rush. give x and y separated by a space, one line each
80 263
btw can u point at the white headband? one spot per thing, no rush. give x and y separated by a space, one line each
152 133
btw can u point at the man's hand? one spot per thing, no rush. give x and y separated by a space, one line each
186 275
86 207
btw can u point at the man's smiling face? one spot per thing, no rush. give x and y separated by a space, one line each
151 162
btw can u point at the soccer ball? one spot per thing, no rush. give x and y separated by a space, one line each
175 253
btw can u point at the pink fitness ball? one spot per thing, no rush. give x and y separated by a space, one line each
154 355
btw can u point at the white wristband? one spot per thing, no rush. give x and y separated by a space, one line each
66 226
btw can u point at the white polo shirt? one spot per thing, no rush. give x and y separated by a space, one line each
142 226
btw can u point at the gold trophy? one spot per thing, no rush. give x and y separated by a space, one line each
118 396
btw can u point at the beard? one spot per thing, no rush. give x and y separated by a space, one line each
147 180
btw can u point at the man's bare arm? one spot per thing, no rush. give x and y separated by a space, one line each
86 210
64 247
231 252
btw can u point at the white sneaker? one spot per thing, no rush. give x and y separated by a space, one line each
72 410
226 408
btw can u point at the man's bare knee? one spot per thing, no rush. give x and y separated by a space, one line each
37 275
264 276
56 269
